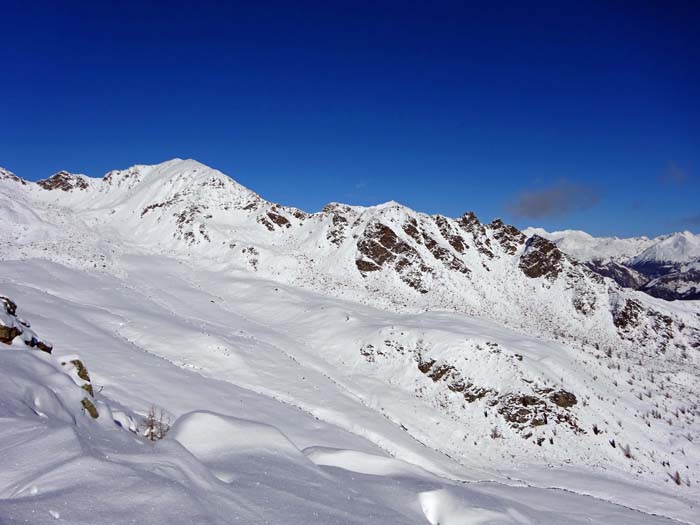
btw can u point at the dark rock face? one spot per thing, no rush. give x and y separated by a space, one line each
18 327
563 399
451 236
381 244
541 258
278 219
451 378
523 411
621 274
336 235
629 316
443 255
380 247
41 345
669 281
8 333
9 305
680 285
81 371
470 224
77 367
90 408
63 181
8 175
652 270
509 237
411 229
339 217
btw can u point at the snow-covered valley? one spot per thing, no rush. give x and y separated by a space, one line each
359 365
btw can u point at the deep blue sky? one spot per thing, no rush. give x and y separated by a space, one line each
566 115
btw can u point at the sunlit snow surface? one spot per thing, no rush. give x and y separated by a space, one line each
276 433
278 415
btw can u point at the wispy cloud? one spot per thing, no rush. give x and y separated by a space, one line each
690 220
557 200
674 175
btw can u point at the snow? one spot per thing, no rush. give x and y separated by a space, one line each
361 462
680 247
585 247
294 389
225 444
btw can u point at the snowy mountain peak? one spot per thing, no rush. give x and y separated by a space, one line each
585 247
174 172
659 266
65 181
388 204
681 247
6 174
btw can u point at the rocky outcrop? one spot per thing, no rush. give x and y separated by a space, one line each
683 284
541 258
90 408
380 247
470 224
451 378
8 333
340 215
79 372
8 175
563 399
12 327
522 406
450 235
629 316
621 274
541 407
64 181
509 237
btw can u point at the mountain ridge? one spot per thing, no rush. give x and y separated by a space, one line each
480 325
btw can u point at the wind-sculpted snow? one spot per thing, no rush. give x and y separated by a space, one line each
459 348
242 464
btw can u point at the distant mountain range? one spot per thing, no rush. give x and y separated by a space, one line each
667 267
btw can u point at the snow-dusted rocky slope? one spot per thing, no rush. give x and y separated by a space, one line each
460 347
232 455
664 267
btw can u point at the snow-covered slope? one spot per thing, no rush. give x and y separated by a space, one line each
271 426
682 247
460 347
385 255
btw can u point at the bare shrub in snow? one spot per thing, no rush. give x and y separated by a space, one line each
627 451
676 478
156 424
